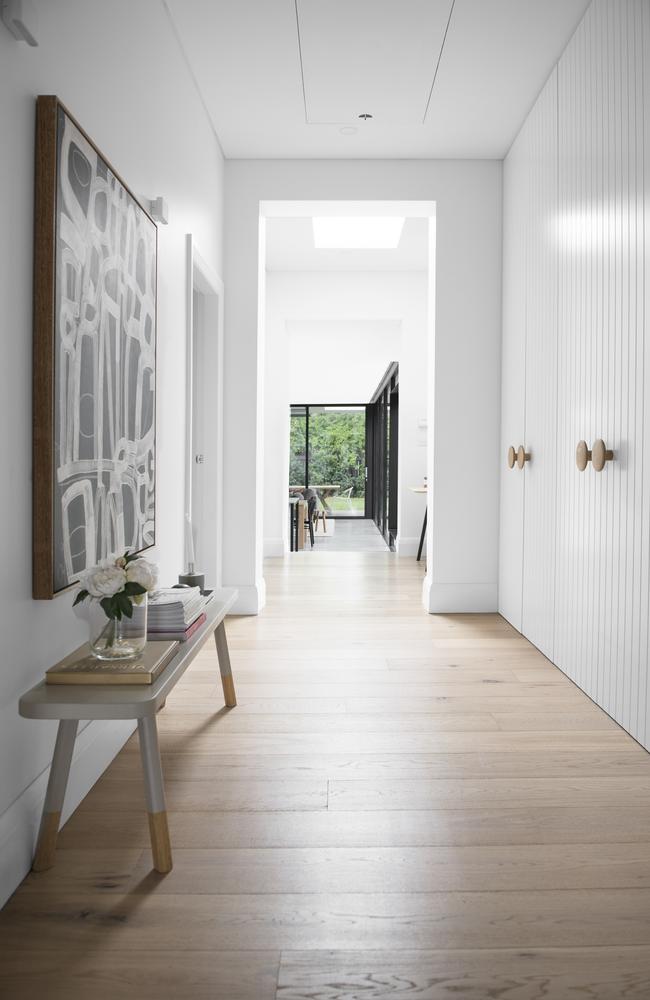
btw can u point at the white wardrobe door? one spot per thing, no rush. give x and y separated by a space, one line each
541 373
515 184
643 304
602 555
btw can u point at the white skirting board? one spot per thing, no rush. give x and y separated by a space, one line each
95 748
408 548
251 599
458 598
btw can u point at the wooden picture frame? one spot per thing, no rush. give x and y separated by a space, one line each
94 365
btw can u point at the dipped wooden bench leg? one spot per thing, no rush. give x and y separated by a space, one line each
56 786
155 795
224 666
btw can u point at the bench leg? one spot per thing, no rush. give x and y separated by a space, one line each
56 786
154 790
224 666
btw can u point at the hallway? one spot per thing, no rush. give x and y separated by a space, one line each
401 805
347 535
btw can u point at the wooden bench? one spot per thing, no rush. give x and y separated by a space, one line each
72 703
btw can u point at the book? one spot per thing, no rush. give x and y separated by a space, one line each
178 634
174 608
82 668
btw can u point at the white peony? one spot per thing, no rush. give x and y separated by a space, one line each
104 580
143 572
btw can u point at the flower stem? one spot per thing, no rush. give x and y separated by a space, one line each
108 632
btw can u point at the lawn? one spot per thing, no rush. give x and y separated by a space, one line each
354 506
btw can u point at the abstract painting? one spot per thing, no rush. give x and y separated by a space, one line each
95 358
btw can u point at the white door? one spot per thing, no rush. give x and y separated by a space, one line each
200 451
204 474
538 588
513 367
604 361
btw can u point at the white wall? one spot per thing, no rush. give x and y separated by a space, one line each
277 400
118 69
462 549
367 320
339 361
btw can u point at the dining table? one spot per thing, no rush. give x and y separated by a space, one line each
324 492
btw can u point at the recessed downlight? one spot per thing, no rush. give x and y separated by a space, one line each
348 130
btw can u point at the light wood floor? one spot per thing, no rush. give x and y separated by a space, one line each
400 806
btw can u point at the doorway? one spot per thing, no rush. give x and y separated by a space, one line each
204 443
333 319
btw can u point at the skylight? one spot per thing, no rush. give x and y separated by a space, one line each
357 232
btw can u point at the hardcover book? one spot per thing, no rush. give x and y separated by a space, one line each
82 668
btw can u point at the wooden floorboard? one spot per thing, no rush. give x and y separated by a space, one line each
530 824
539 974
479 868
402 805
261 922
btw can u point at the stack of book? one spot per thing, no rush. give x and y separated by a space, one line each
175 613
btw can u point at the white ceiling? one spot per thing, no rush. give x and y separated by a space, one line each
442 78
290 247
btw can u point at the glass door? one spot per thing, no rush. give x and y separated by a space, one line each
328 454
337 458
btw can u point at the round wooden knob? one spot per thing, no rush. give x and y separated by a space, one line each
512 457
583 455
523 456
600 454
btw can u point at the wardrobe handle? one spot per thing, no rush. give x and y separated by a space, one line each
600 454
512 457
523 456
583 455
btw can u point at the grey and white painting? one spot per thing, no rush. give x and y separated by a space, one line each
105 362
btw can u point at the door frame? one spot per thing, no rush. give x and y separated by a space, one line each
201 278
384 451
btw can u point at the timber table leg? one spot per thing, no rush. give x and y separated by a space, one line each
56 786
224 666
302 513
155 795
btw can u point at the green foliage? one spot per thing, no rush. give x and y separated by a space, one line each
297 451
120 605
337 446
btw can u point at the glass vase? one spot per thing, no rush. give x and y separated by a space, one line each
110 639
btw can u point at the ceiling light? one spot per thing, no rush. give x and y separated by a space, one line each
348 130
357 232
366 117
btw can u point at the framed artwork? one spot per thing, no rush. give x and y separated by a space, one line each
94 383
